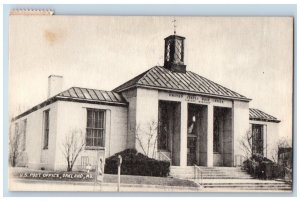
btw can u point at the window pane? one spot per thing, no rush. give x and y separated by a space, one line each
96 134
89 141
101 137
97 124
97 141
88 132
101 120
89 118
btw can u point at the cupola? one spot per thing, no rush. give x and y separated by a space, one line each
174 53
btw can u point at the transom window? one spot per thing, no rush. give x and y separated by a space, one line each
95 128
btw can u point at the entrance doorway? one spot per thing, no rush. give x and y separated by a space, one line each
168 141
197 132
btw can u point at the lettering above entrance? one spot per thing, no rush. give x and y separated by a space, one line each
194 99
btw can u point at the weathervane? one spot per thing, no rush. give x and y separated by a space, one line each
174 24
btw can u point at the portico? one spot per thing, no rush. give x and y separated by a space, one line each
199 131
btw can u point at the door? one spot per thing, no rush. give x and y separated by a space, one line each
191 150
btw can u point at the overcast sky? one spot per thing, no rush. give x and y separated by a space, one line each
250 55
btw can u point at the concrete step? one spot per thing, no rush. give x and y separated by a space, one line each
258 187
251 188
211 177
209 172
244 184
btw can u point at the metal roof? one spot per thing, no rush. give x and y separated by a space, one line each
79 93
258 115
161 78
82 95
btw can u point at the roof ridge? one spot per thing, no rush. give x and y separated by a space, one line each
90 88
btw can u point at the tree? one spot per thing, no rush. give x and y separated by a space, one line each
147 138
17 143
246 144
72 146
16 138
14 144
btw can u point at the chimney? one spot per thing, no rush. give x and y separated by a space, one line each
55 84
174 53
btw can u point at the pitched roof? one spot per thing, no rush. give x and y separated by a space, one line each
78 94
256 114
161 78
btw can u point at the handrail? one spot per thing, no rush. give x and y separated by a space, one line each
198 175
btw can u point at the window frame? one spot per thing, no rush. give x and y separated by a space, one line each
256 149
46 129
94 145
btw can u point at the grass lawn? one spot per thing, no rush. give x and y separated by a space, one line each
133 179
108 178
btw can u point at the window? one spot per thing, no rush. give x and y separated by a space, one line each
24 135
257 139
46 129
95 128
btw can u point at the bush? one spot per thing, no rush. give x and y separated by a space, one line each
278 171
134 163
263 168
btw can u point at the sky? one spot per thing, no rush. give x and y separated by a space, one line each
250 55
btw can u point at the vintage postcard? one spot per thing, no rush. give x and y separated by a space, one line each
150 104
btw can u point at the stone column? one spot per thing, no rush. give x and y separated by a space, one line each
210 126
183 133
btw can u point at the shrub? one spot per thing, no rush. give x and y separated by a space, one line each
278 171
263 168
134 163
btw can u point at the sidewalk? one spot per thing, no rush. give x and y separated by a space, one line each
44 185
